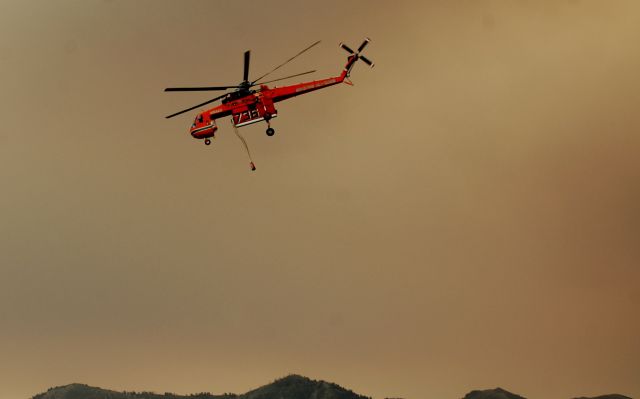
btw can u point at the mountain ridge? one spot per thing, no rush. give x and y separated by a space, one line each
292 386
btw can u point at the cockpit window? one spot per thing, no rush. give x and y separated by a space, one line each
200 119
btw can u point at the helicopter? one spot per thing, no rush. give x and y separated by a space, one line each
252 101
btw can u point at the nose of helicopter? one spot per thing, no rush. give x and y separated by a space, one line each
202 127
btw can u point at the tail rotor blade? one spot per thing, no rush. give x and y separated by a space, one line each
366 60
364 44
344 46
247 56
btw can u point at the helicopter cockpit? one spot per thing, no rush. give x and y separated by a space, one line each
199 120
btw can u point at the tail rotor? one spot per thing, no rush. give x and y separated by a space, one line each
356 54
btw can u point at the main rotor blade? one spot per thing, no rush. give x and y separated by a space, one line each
344 46
247 56
284 63
366 60
206 88
364 44
292 76
195 106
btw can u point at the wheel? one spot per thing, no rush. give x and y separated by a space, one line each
207 141
270 132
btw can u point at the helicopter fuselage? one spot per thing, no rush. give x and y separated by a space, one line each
251 106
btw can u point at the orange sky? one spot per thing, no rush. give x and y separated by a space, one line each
466 216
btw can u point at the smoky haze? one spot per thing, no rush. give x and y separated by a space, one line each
466 216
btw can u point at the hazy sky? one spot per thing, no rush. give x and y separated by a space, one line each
466 216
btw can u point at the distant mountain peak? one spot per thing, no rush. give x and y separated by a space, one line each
294 378
295 386
611 396
496 393
76 391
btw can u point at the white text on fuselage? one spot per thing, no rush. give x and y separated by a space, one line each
245 116
315 85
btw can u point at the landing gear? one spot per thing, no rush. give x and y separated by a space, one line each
270 131
207 141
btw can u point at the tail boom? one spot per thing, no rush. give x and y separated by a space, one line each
286 92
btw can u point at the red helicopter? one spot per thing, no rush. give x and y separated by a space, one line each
247 105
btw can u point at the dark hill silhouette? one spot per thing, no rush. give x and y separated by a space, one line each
612 396
78 391
497 393
299 387
290 387
500 393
